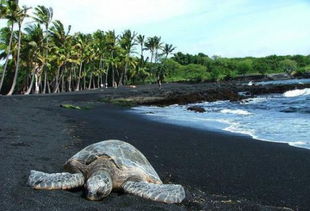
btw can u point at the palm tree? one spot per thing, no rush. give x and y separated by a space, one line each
168 49
156 45
111 47
100 45
3 8
44 49
141 72
89 57
8 11
149 44
82 46
61 47
153 44
141 42
44 15
127 42
35 50
21 15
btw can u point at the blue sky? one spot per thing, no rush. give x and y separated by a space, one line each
230 28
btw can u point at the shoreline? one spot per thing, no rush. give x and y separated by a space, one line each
218 171
217 125
220 142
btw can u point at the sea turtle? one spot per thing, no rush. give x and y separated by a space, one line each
107 165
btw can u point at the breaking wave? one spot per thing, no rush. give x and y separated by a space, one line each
237 111
297 92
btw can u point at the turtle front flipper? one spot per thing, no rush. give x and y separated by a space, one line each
41 180
167 193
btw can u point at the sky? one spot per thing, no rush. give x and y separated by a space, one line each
228 28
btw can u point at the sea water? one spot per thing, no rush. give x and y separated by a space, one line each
281 118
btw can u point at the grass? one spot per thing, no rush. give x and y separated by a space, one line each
123 102
130 101
70 106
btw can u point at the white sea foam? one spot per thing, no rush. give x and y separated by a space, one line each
251 83
297 92
297 144
235 128
293 81
236 111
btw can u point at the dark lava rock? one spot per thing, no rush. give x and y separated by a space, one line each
209 95
198 109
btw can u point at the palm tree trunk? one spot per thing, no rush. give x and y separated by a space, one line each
120 80
94 83
31 85
37 88
63 85
79 78
125 74
156 56
98 81
91 78
106 77
69 81
57 80
152 56
18 58
84 82
45 80
113 79
48 87
46 54
38 79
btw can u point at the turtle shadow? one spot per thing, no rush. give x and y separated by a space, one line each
77 189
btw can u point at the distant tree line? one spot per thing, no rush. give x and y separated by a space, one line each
202 67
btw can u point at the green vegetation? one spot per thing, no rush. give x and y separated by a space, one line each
288 66
218 68
130 101
44 57
123 102
69 106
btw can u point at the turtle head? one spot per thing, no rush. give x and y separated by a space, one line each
98 185
95 193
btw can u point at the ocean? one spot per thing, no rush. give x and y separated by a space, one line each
283 118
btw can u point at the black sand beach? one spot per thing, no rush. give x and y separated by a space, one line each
219 171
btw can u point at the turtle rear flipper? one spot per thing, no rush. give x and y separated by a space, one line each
41 180
167 193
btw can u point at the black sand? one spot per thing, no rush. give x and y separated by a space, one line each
219 171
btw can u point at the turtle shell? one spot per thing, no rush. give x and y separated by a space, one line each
123 154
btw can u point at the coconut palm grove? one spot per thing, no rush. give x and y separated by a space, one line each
42 56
